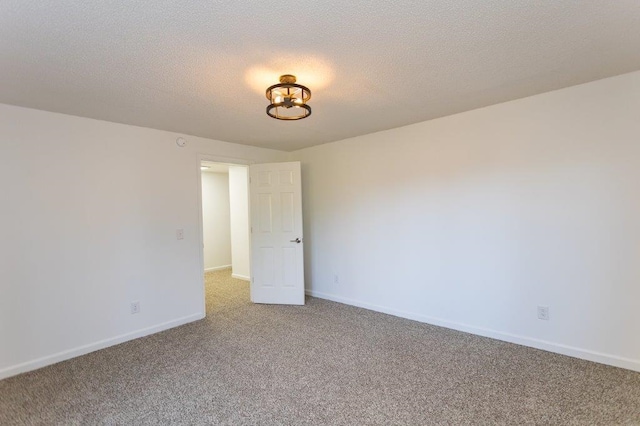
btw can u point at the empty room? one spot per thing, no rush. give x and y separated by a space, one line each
321 213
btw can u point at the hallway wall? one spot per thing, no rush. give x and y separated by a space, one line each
216 225
239 206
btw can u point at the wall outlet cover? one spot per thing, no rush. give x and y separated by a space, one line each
543 313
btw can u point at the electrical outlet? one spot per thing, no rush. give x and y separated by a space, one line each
180 234
543 313
135 307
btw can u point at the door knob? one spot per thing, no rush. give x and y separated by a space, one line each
297 240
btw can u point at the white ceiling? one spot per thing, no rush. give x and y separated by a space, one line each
200 67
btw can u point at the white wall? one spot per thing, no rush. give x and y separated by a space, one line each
89 225
239 204
216 223
473 220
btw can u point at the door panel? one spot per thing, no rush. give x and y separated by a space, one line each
265 213
276 236
287 210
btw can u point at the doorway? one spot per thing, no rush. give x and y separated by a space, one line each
216 220
225 220
274 252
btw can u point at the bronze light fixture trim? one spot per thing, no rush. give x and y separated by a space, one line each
288 100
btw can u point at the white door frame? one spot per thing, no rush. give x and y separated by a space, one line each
215 159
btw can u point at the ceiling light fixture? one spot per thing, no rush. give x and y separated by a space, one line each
288 99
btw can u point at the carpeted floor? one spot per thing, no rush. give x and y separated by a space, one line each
323 363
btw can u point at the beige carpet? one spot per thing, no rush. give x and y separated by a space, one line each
323 363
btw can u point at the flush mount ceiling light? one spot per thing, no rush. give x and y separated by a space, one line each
288 99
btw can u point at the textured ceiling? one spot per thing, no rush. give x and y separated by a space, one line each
200 67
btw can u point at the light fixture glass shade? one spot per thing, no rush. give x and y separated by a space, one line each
288 100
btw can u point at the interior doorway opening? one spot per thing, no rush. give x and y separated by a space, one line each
225 219
274 250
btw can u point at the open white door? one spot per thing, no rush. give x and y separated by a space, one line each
277 266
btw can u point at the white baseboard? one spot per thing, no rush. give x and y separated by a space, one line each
241 277
614 360
92 347
217 268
